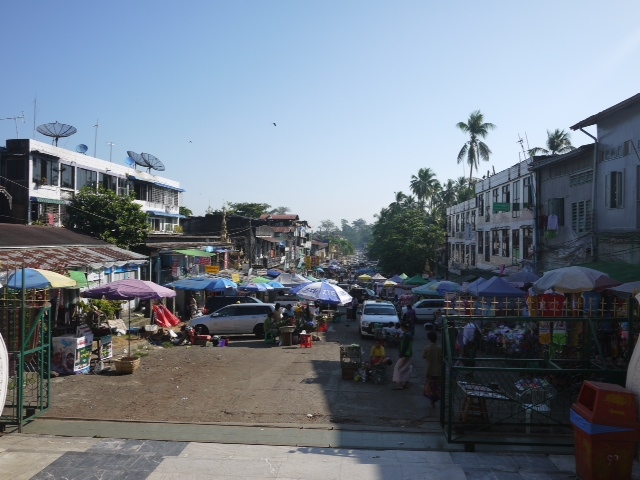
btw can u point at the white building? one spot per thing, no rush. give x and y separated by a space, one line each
37 180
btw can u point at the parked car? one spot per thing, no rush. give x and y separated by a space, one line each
212 304
426 309
377 312
236 319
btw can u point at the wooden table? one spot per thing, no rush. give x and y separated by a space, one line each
475 401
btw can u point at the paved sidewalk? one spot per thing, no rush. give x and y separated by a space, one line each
25 456
80 449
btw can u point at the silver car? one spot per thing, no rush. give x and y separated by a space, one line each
236 319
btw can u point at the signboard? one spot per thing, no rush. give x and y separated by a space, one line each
501 207
235 277
307 262
212 269
261 272
204 261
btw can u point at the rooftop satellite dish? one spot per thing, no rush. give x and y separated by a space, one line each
56 130
129 161
82 148
137 159
152 162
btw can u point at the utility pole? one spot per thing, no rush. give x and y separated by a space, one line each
111 144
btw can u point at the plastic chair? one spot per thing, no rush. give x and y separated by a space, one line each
536 400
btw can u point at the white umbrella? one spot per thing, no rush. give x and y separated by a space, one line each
573 280
325 292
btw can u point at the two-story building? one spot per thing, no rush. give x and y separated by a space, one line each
615 201
564 226
37 181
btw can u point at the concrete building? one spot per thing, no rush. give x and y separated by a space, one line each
616 169
37 181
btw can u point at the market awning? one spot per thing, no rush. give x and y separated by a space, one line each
171 187
79 277
192 252
164 214
53 201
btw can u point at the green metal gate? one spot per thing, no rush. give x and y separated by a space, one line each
25 325
504 393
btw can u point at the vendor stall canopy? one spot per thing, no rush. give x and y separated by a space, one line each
208 284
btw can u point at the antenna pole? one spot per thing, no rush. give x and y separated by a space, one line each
95 141
35 106
15 120
111 144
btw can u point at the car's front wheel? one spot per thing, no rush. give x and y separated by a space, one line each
201 329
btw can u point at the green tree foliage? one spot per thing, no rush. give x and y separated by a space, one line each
558 142
358 232
279 211
186 212
110 217
474 149
405 239
251 210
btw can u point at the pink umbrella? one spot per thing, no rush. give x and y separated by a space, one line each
129 289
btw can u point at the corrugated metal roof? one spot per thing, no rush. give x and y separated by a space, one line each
593 119
63 258
53 248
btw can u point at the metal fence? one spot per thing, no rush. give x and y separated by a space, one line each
25 325
515 381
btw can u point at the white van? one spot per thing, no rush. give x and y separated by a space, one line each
426 308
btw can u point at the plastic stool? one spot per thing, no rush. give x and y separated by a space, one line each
305 340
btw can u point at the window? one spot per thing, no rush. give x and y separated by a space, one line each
505 242
480 238
613 190
495 243
515 244
581 216
527 243
580 178
527 198
87 178
481 203
495 195
556 207
67 176
473 219
45 171
108 182
626 148
458 222
506 195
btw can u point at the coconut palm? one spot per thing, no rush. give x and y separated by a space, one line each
423 185
475 149
558 142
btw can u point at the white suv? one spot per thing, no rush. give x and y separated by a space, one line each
377 312
234 319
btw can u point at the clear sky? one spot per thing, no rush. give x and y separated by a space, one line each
363 93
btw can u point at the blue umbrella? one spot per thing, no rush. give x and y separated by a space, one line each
297 288
275 284
319 269
255 287
207 284
325 292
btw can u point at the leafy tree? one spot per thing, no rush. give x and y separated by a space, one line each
474 149
424 185
186 212
279 211
405 239
558 142
358 232
110 217
251 210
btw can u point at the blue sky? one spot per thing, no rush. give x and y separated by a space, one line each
364 93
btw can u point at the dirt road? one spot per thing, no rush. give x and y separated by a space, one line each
247 382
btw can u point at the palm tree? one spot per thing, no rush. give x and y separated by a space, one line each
423 185
558 142
474 149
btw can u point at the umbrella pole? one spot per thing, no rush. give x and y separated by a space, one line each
129 354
